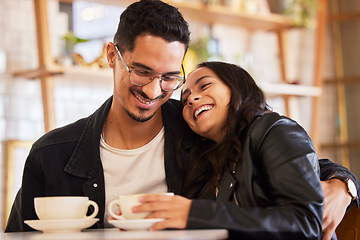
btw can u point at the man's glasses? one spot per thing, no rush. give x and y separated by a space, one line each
140 77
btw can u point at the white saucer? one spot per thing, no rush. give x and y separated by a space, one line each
63 225
135 224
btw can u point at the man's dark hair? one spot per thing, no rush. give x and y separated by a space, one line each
152 17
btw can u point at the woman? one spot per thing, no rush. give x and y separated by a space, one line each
259 177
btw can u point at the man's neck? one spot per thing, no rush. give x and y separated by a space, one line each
122 132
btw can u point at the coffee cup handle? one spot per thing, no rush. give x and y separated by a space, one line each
114 215
96 209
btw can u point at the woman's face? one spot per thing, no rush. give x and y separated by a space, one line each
206 98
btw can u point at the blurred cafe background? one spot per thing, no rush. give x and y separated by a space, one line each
304 54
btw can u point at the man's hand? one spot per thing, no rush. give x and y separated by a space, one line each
336 201
174 209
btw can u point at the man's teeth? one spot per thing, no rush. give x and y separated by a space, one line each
203 108
142 100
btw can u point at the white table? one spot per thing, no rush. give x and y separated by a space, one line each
115 234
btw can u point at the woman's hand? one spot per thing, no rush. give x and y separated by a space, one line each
174 209
336 201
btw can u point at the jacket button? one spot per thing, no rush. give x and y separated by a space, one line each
231 185
95 185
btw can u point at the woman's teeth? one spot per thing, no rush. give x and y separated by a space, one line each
201 109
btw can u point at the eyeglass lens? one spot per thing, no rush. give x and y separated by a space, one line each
143 77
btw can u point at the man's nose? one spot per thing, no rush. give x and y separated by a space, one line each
153 89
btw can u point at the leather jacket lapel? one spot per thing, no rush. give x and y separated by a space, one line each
226 188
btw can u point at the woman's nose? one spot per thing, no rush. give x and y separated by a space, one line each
193 99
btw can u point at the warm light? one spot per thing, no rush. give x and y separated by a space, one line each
93 13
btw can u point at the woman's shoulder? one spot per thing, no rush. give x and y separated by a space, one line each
269 119
275 127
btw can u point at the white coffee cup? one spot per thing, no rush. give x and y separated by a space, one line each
64 207
126 203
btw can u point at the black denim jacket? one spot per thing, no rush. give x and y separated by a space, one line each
66 161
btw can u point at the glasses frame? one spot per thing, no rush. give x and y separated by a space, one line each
153 73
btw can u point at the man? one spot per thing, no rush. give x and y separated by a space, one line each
128 144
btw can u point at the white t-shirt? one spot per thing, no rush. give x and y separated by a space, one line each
138 170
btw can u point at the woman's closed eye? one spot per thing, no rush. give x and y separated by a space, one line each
205 86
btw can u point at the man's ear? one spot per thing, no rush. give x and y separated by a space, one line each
111 54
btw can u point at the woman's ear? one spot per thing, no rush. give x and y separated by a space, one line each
111 54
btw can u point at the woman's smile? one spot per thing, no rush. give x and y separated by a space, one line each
202 109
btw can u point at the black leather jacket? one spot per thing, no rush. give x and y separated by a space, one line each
66 161
275 192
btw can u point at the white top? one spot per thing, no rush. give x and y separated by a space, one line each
139 170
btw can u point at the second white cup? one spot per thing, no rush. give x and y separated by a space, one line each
126 203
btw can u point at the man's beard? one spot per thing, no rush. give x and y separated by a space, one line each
140 118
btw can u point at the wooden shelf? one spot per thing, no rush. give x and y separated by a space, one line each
344 17
284 89
217 14
76 71
345 80
39 73
354 145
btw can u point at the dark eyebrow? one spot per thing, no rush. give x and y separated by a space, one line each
201 78
196 82
137 64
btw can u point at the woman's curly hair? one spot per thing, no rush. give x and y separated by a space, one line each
207 160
